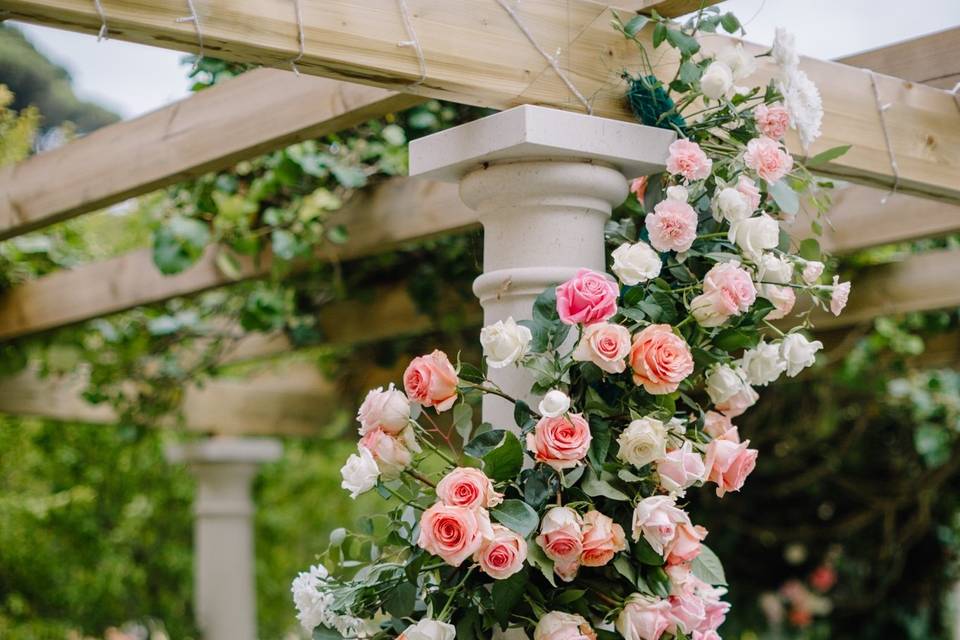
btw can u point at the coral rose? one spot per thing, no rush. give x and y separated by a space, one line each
602 539
688 160
605 345
454 533
561 538
586 298
503 555
432 381
560 442
660 359
672 226
467 487
765 156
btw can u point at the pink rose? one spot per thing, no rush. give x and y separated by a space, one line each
839 297
773 120
558 625
605 345
749 190
729 463
680 469
644 618
736 404
686 544
503 555
782 297
687 612
638 187
389 410
680 577
812 271
688 160
454 533
656 519
672 226
467 487
561 442
660 359
561 538
710 634
715 608
728 290
391 453
432 381
765 156
717 425
602 539
586 298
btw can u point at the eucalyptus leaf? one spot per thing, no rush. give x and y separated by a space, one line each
785 197
517 516
707 567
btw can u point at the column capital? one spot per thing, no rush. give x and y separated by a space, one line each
225 449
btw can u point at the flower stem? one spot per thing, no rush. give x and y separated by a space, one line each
422 478
443 613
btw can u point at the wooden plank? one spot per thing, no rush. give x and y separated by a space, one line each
932 58
254 113
476 54
668 8
379 219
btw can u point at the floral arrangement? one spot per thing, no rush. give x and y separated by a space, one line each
573 525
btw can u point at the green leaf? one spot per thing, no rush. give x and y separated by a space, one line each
733 339
659 34
729 22
505 461
687 45
400 600
622 564
228 264
826 156
600 442
463 420
594 486
810 249
540 485
689 72
537 558
507 593
179 244
521 412
484 443
707 567
643 552
326 633
471 373
350 177
517 516
284 244
635 24
785 196
659 581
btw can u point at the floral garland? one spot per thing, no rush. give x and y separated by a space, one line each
576 529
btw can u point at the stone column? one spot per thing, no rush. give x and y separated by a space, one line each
543 183
223 559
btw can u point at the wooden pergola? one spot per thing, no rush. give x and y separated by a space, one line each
351 70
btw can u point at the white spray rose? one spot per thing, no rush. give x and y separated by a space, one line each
428 629
763 364
643 441
717 80
774 269
741 63
636 263
723 382
755 235
505 342
554 404
730 205
360 473
678 193
798 352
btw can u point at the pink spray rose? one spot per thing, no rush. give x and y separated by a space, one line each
773 120
706 635
839 297
605 345
715 608
644 618
389 410
656 519
717 425
454 533
729 463
558 625
391 453
560 442
602 539
503 555
586 298
687 612
672 226
739 402
728 290
765 156
782 297
680 469
688 160
561 538
468 487
686 544
432 381
749 190
660 359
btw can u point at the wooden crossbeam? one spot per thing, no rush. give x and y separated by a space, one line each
476 54
257 112
933 59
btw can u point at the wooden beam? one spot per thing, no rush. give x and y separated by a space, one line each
932 59
476 54
668 8
257 112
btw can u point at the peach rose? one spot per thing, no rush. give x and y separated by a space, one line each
432 381
467 487
391 453
686 544
660 359
672 226
560 442
602 539
503 555
680 469
605 345
783 299
389 410
749 190
773 120
729 463
765 156
454 533
586 298
644 618
561 538
558 625
688 160
656 519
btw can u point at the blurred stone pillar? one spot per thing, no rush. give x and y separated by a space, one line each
223 549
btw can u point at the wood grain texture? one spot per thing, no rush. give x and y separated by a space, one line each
476 54
930 59
257 112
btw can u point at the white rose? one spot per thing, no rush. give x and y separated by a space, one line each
656 519
389 410
678 193
812 271
755 235
505 342
428 629
741 63
554 404
723 382
360 473
636 263
763 364
558 624
643 441
774 269
717 80
798 352
731 206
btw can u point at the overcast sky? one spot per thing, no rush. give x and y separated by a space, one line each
133 79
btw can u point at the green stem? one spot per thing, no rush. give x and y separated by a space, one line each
399 497
774 328
443 613
422 478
